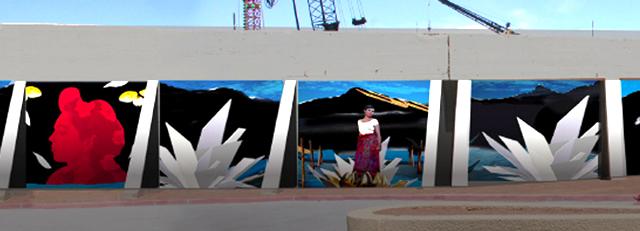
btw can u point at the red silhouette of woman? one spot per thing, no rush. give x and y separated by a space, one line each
87 136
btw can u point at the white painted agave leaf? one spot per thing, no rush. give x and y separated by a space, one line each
170 167
115 84
236 135
213 131
42 161
243 166
383 150
342 167
539 151
512 178
27 119
390 169
568 127
566 170
185 156
588 168
526 166
503 170
250 178
502 151
329 173
223 154
593 131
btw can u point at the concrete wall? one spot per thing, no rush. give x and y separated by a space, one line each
46 52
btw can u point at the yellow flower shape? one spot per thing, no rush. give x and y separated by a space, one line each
33 92
142 92
128 96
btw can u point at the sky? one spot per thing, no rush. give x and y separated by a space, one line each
258 89
499 89
417 91
523 14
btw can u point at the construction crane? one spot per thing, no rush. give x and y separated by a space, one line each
491 25
323 15
322 12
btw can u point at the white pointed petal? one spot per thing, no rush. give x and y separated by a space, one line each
115 84
511 178
42 161
243 166
503 170
566 170
342 167
524 163
236 135
586 144
216 181
383 150
213 131
588 168
172 179
185 156
593 131
502 150
329 173
250 178
565 152
391 169
223 154
316 174
27 119
568 127
539 151
173 170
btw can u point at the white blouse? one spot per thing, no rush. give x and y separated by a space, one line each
367 127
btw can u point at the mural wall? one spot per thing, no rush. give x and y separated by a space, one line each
361 134
309 134
217 134
80 134
534 130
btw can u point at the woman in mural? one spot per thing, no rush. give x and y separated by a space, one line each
87 137
367 160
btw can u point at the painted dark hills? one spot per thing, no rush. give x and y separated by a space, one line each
332 122
542 108
189 110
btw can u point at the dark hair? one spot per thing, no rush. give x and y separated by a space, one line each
368 106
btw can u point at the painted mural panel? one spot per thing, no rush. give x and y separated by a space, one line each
631 123
80 134
361 133
528 130
217 134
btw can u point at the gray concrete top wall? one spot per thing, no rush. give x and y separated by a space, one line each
47 52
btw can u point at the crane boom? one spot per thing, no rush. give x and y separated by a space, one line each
491 25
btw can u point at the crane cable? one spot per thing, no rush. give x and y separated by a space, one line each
360 8
341 15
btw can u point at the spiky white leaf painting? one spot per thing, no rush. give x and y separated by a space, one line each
115 84
207 165
342 171
564 158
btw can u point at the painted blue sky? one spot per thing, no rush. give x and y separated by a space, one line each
417 91
498 89
262 89
523 14
5 83
630 86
